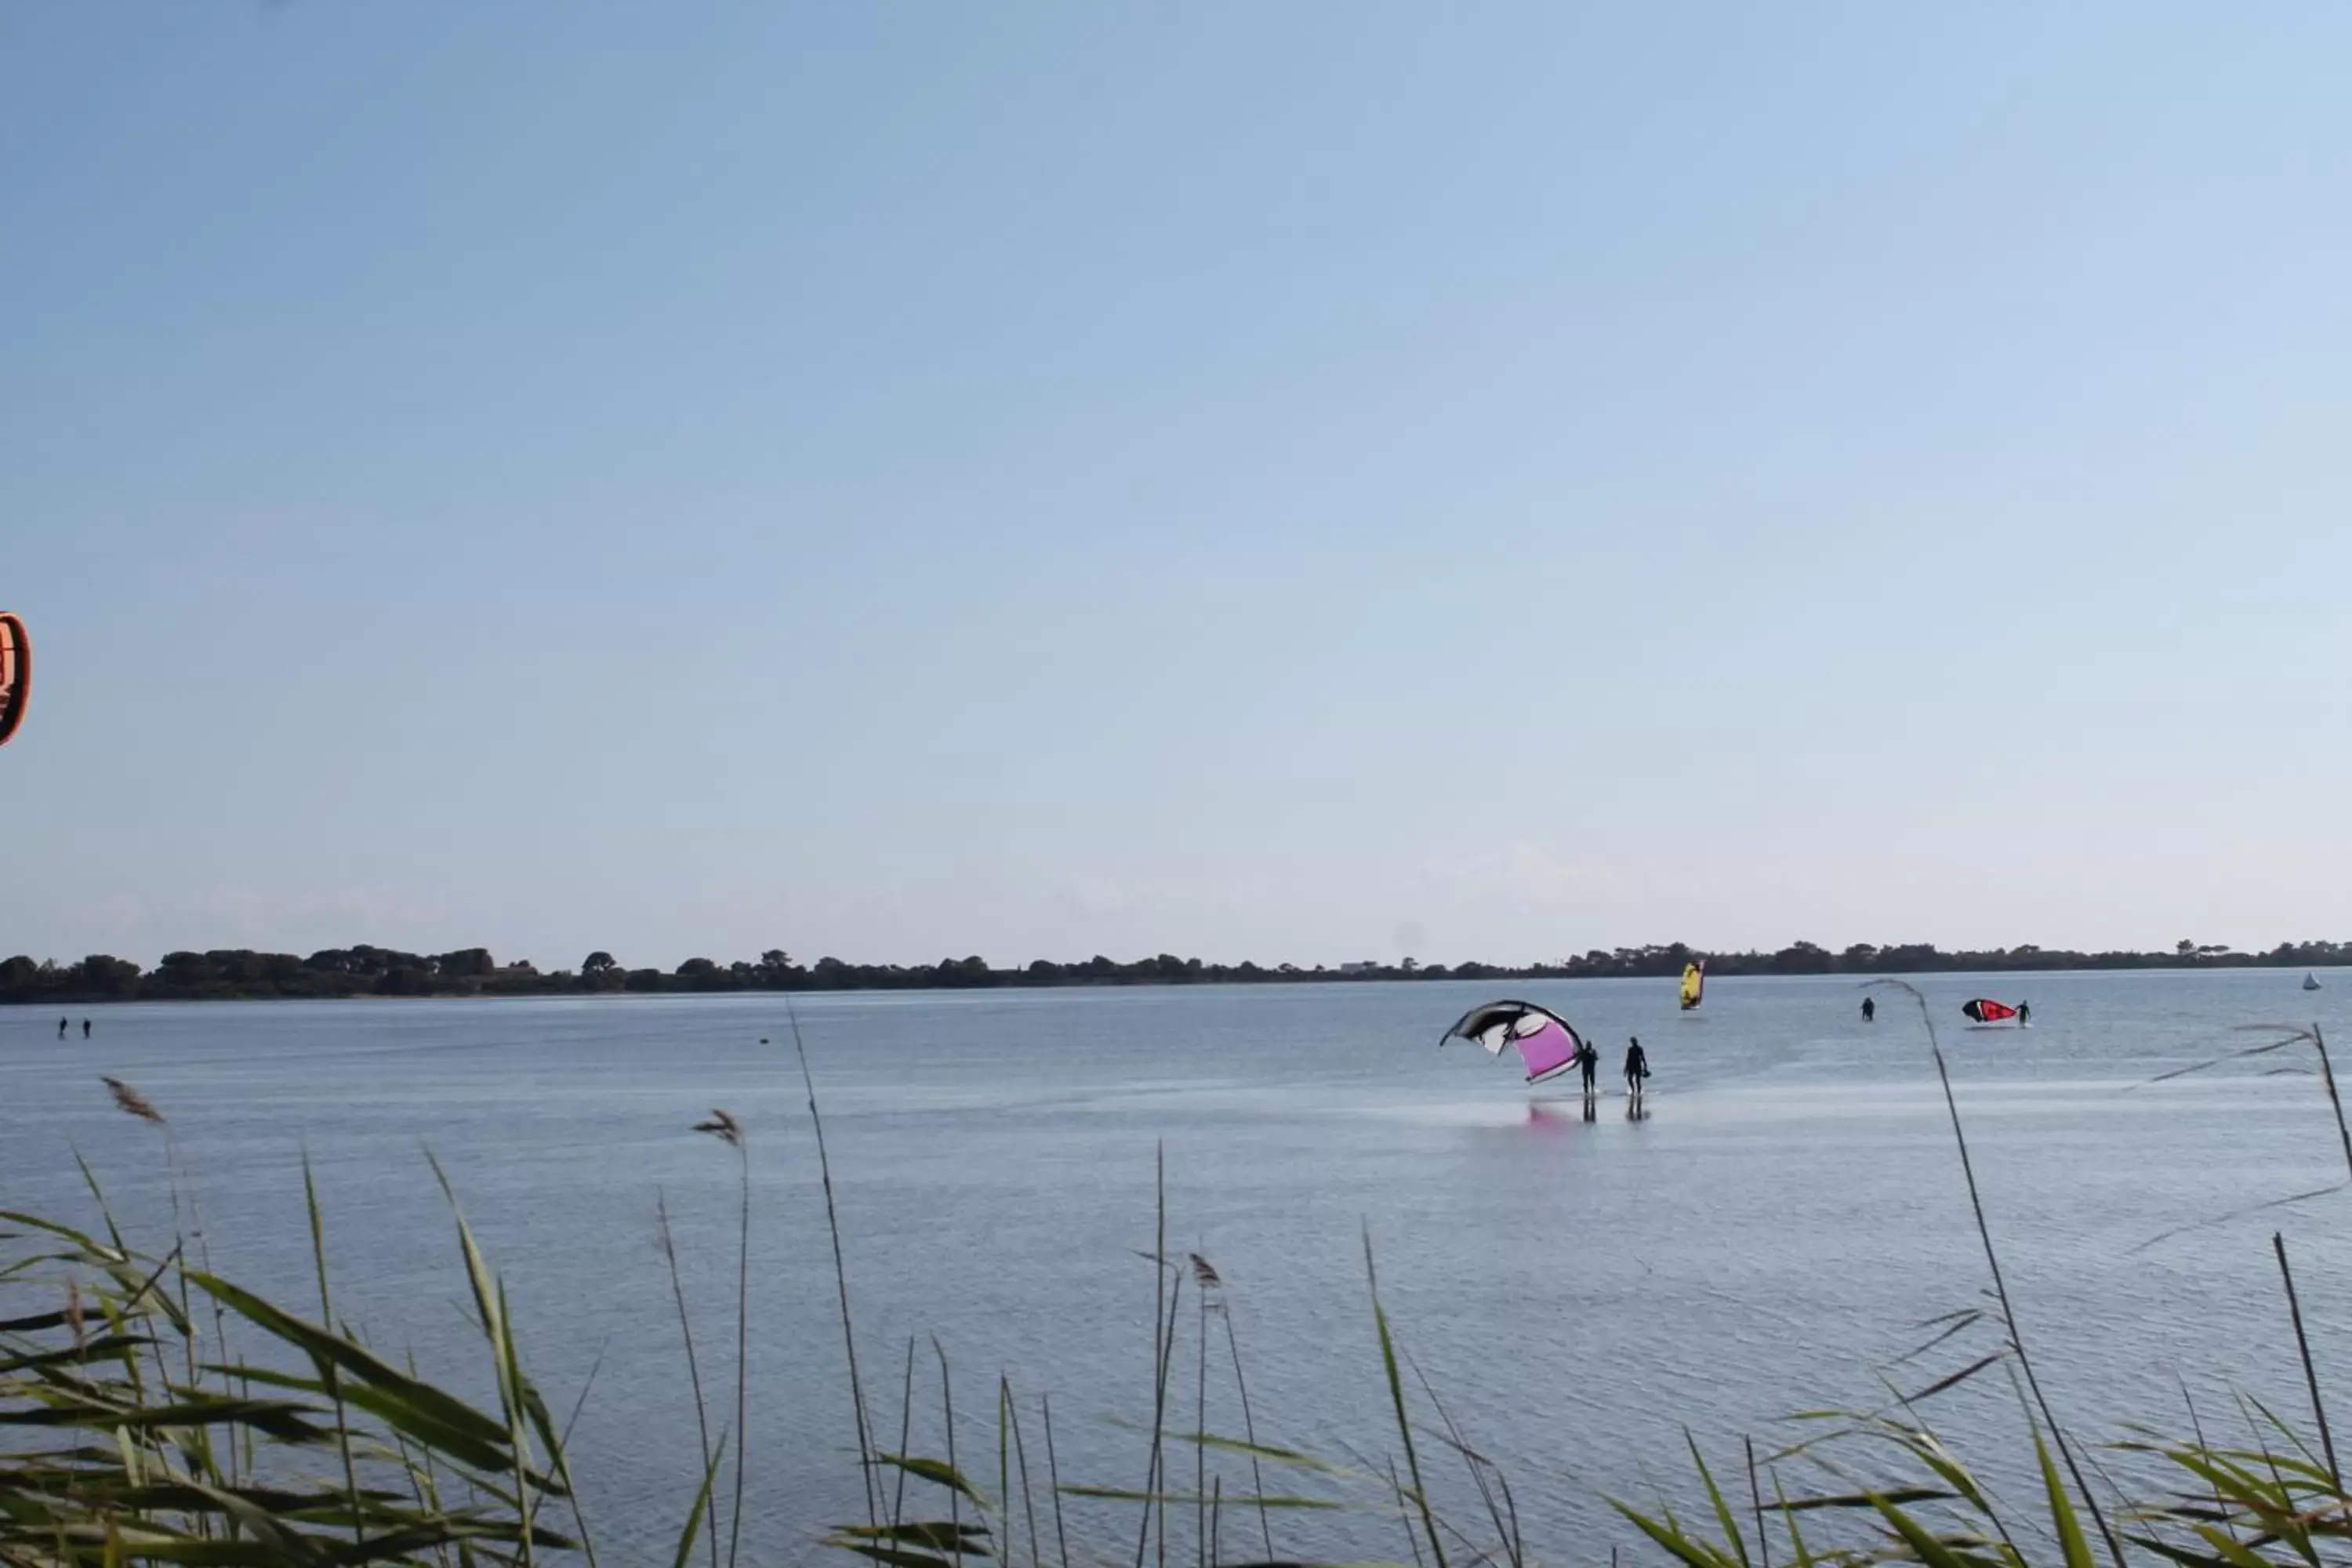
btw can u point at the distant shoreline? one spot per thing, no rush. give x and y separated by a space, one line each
240 974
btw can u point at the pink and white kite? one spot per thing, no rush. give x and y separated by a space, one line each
1546 1042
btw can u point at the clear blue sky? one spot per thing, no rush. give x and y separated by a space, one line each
1278 481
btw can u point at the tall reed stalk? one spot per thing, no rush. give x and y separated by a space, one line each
1249 1428
1205 1280
723 1126
840 1279
329 1372
668 1245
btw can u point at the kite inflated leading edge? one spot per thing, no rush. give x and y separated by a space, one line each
16 674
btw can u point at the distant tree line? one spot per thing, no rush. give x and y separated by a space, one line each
1926 958
365 971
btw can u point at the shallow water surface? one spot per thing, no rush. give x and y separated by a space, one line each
1788 1211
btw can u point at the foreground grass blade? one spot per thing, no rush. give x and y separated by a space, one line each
943 1535
1396 1397
701 1506
936 1471
1129 1494
2062 1519
433 1410
489 1302
1923 1542
1722 1516
1678 1542
1796 1536
328 1370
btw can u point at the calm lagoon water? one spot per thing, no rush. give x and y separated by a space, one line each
1776 1227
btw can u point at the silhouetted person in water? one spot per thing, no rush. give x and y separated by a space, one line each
2024 1013
1637 1067
1587 1062
1869 1009
85 1028
61 1028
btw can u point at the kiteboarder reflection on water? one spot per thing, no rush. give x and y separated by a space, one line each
1869 1008
1637 1067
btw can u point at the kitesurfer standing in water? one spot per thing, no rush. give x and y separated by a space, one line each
2024 1013
1869 1008
1587 1062
1637 1067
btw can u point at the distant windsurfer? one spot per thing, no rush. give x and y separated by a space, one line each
1637 1067
1587 1062
1869 1008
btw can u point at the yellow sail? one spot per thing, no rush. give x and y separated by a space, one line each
1694 982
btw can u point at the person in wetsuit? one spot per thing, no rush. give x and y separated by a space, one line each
1869 1008
1637 1067
85 1028
61 1028
1587 1062
2024 1013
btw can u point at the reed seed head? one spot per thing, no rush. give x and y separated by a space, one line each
722 1126
131 1101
